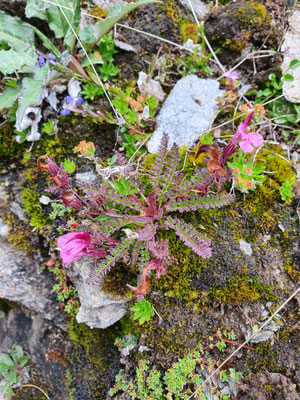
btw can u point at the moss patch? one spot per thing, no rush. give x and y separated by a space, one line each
94 361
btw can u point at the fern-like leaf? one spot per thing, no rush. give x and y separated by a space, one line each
159 162
191 237
190 184
168 177
193 203
131 201
110 260
109 226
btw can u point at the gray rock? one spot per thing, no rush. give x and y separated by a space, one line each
265 334
18 211
150 87
4 229
291 51
98 309
20 282
36 336
201 9
187 112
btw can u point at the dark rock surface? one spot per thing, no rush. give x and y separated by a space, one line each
38 337
21 282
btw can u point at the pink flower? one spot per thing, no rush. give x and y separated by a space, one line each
249 140
75 245
232 76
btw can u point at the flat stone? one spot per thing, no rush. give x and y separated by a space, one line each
201 9
187 112
20 282
98 309
291 51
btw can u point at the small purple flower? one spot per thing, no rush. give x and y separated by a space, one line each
79 101
69 99
51 58
232 76
41 61
65 111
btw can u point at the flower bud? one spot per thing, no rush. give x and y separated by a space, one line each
70 200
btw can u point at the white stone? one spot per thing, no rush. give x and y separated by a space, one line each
245 247
150 87
44 200
291 51
187 112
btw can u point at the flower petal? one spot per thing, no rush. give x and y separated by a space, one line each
246 146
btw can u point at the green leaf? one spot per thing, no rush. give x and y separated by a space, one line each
4 368
288 78
9 96
31 95
12 377
85 62
57 21
69 166
142 311
13 31
294 64
36 8
46 42
5 359
114 14
23 361
16 353
70 38
280 120
12 60
6 389
88 34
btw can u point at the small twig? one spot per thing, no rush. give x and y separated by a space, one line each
160 318
206 40
36 387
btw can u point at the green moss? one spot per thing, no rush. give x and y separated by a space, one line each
92 355
252 13
25 393
171 9
33 208
98 12
19 233
189 31
242 289
10 150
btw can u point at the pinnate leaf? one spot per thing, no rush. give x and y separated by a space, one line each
200 244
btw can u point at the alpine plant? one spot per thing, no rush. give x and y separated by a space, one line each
127 225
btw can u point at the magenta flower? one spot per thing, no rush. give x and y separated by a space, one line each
75 245
250 140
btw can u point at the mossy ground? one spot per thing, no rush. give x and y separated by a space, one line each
189 294
93 361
